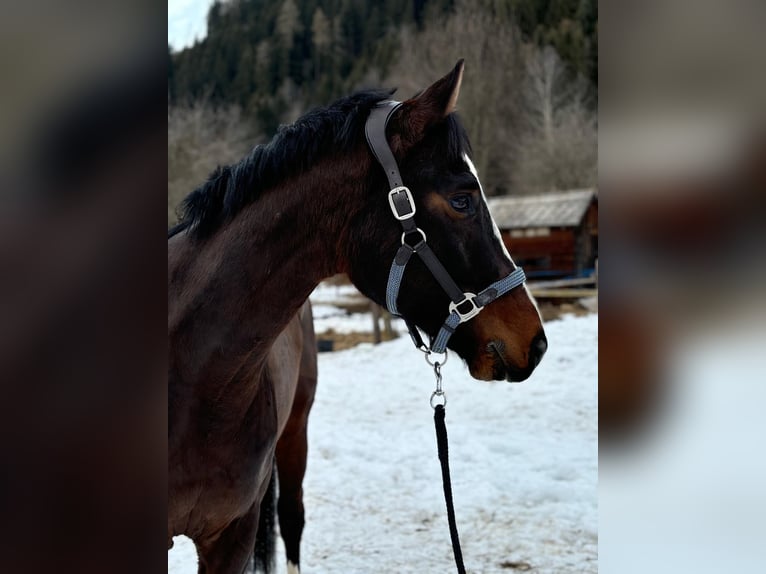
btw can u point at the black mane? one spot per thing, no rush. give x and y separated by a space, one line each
294 149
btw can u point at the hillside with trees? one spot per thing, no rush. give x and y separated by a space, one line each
528 101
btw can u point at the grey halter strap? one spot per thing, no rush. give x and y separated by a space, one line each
464 306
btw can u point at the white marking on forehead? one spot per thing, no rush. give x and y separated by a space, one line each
292 568
499 238
472 169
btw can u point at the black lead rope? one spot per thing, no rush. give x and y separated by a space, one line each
403 208
443 448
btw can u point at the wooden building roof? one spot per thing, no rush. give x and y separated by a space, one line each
552 209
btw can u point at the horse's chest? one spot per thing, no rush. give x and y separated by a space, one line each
217 476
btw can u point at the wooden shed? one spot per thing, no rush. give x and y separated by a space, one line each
553 234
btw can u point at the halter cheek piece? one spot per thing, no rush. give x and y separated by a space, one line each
464 306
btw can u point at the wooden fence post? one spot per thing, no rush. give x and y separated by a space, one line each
375 323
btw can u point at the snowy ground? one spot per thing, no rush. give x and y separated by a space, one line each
329 317
327 303
524 464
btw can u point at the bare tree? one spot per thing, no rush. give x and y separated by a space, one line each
557 149
288 23
489 102
321 36
199 139
529 120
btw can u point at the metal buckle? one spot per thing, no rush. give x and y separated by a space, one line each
410 200
470 313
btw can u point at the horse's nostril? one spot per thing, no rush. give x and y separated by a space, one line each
537 349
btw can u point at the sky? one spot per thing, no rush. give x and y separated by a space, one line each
187 21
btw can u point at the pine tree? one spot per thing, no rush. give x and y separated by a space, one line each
312 51
287 26
321 37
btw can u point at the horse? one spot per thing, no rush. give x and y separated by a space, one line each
259 236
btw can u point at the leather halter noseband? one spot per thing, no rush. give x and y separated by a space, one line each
464 306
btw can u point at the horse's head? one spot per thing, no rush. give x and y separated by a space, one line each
504 341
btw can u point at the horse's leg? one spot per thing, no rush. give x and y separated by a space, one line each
231 551
292 449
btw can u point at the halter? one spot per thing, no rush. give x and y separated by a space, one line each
464 306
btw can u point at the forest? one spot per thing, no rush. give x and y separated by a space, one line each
529 97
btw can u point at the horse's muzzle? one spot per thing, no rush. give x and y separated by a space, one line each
503 370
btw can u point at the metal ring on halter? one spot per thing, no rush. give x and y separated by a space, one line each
422 233
440 394
440 363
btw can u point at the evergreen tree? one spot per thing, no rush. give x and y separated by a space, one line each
286 27
272 56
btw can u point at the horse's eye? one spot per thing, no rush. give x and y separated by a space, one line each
461 202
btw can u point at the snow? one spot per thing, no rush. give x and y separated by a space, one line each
329 317
326 293
327 303
523 460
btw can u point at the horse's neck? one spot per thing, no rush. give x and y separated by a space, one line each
231 296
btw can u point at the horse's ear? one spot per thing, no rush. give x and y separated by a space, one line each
432 105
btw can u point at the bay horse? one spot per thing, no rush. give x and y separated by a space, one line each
260 235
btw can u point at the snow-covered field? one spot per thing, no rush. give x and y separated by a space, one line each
523 456
329 317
